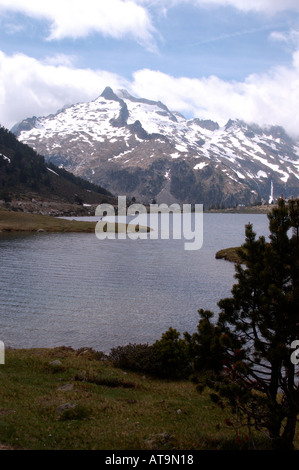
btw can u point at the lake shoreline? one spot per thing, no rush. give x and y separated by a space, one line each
11 221
78 290
228 254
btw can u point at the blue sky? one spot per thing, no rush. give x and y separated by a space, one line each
216 59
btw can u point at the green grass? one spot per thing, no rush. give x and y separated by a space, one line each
115 410
229 254
27 222
22 221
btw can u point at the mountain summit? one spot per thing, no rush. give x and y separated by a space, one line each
138 147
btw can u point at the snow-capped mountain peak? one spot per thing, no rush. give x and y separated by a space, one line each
129 145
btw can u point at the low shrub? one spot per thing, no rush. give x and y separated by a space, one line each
166 358
134 357
172 356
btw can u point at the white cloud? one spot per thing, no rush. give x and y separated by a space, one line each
263 6
11 28
121 18
60 59
268 6
278 36
289 37
77 18
266 99
30 87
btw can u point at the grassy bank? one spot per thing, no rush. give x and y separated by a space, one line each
262 209
229 254
27 222
83 402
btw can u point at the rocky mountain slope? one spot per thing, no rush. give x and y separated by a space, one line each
138 147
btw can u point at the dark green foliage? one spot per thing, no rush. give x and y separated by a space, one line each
78 200
255 330
135 357
26 167
81 183
172 355
167 358
205 346
4 195
28 172
294 216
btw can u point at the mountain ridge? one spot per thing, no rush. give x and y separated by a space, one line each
33 184
139 148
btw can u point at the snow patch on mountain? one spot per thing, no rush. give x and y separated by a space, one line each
130 144
52 171
4 157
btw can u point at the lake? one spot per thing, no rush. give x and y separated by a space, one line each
75 290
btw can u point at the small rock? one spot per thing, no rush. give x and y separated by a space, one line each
179 412
158 441
56 363
85 351
66 406
66 388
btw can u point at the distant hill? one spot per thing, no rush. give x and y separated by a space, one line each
24 173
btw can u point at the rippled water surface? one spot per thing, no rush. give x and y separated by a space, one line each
75 290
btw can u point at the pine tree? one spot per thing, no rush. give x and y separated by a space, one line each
256 328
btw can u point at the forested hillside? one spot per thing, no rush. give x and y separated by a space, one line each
23 172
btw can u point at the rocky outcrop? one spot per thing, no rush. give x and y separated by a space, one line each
55 209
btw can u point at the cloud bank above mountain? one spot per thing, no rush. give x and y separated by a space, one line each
45 86
43 63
